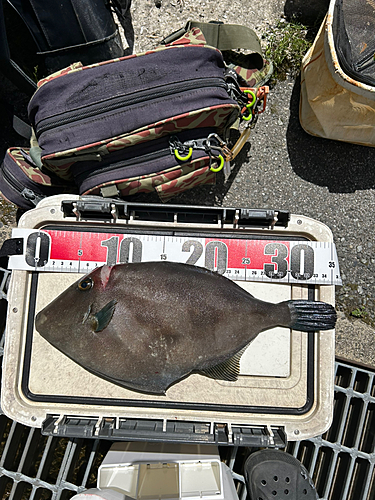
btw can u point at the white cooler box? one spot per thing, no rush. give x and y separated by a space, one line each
285 388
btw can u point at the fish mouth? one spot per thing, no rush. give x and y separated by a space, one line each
40 321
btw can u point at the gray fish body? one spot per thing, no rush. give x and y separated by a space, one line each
158 322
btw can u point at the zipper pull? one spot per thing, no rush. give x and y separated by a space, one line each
29 195
179 149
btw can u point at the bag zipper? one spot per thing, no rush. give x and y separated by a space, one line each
12 180
162 147
122 101
26 193
121 164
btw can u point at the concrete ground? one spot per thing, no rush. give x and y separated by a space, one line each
282 167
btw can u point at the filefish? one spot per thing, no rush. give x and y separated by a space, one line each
145 326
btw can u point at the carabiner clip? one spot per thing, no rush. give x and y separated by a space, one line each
250 104
249 116
221 164
217 138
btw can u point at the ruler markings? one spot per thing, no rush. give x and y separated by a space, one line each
245 261
271 261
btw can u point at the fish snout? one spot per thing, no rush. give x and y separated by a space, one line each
40 321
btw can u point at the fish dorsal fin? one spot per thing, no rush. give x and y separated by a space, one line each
104 316
227 370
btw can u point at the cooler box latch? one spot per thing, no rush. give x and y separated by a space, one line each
122 429
97 208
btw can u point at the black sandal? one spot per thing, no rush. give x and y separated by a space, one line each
276 475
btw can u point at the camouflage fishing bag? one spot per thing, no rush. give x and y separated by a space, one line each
156 121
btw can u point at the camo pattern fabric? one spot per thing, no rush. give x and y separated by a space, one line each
61 168
32 172
245 65
171 188
166 183
219 117
215 116
254 77
193 36
64 71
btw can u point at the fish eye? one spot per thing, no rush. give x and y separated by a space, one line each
85 284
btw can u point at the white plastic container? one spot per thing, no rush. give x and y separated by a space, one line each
147 471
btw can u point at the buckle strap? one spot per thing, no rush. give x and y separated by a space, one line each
174 36
228 36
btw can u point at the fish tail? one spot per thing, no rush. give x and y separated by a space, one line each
306 315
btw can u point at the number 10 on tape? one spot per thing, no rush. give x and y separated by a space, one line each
238 259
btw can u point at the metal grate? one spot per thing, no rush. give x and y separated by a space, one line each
341 461
40 468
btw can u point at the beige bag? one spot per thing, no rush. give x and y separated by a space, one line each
333 104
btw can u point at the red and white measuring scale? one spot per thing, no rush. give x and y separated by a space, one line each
240 259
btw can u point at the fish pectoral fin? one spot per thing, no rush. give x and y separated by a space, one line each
227 370
104 316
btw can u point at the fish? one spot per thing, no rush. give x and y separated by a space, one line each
148 325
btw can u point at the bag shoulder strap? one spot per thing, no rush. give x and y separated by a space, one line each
228 36
222 36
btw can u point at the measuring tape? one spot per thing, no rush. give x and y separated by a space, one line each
280 261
